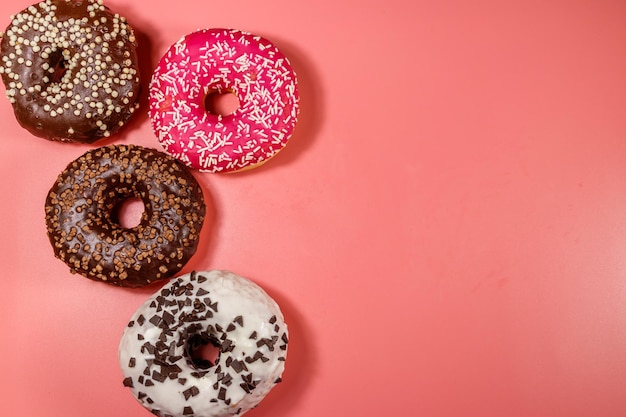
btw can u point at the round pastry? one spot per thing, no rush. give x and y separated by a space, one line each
82 225
219 61
156 351
70 70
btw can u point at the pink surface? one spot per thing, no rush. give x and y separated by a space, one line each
446 231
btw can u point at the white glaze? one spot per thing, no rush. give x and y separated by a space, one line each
242 308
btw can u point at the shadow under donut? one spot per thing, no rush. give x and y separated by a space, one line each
200 261
145 51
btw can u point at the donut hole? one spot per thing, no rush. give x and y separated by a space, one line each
203 351
57 66
128 212
221 102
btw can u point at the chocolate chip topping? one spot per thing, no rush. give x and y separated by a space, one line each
179 321
70 70
85 236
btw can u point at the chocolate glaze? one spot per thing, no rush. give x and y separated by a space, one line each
84 234
70 70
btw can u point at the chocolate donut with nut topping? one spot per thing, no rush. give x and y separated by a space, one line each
85 234
70 70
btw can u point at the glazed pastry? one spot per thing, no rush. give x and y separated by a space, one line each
83 230
156 351
70 70
214 61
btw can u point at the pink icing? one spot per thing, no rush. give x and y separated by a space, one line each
223 60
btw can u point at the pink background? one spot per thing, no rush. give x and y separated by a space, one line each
446 232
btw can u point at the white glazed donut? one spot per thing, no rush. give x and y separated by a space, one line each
216 307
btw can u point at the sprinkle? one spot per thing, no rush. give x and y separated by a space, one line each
177 321
125 257
222 394
251 68
191 392
57 71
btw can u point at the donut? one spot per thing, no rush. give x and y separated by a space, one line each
219 61
70 70
217 307
81 219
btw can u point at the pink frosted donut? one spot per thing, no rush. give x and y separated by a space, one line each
223 61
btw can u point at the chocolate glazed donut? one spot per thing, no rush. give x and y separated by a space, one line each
85 234
70 70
